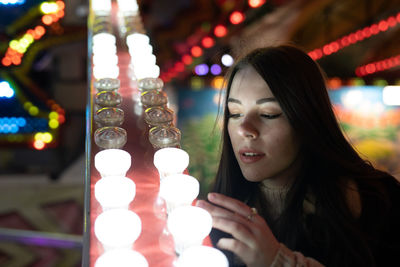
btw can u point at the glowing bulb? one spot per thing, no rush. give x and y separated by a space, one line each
112 162
104 48
6 90
114 192
199 256
128 7
137 39
189 225
117 228
227 60
152 71
170 160
179 190
104 37
101 7
352 99
391 95
121 258
103 71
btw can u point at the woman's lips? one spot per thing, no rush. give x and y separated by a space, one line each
250 156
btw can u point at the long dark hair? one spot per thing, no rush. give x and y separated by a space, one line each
332 234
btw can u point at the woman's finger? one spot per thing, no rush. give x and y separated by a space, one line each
233 205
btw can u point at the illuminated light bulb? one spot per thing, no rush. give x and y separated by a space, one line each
256 3
215 69
104 48
227 60
170 160
112 162
236 17
101 7
6 90
139 53
102 71
128 7
117 228
201 69
352 99
199 256
143 59
391 95
121 258
220 31
104 37
196 51
105 59
152 71
179 190
114 192
137 39
189 225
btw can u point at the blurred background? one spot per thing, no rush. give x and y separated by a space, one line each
44 88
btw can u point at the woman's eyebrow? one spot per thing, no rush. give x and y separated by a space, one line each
259 101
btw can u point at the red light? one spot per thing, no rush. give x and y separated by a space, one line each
370 68
187 59
38 144
359 35
40 30
60 4
367 32
47 19
352 38
398 17
196 51
236 17
383 26
179 66
61 118
207 42
327 50
60 14
374 29
220 31
256 3
345 41
391 21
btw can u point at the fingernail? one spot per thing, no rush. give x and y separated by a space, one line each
211 196
199 203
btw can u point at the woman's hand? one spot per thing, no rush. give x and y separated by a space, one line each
252 239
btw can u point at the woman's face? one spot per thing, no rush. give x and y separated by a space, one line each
264 143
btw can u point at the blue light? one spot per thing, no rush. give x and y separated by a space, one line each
6 90
11 125
12 2
201 69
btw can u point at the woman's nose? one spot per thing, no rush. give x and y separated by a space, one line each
248 129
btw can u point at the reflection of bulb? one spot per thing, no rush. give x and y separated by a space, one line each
199 256
179 190
121 258
114 192
112 162
117 228
189 225
170 160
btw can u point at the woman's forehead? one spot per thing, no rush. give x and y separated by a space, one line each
248 83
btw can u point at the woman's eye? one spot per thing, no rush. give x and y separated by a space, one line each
271 116
234 115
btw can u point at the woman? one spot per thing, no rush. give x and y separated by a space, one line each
314 201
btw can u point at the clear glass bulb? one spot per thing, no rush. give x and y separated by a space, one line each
164 136
108 99
147 84
157 116
107 84
153 98
109 116
110 137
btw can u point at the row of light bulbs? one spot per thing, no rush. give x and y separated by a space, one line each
117 227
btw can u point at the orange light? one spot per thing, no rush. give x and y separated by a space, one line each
196 51
38 144
207 42
60 14
60 4
256 3
220 31
61 118
236 17
47 19
6 61
40 30
16 60
187 59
